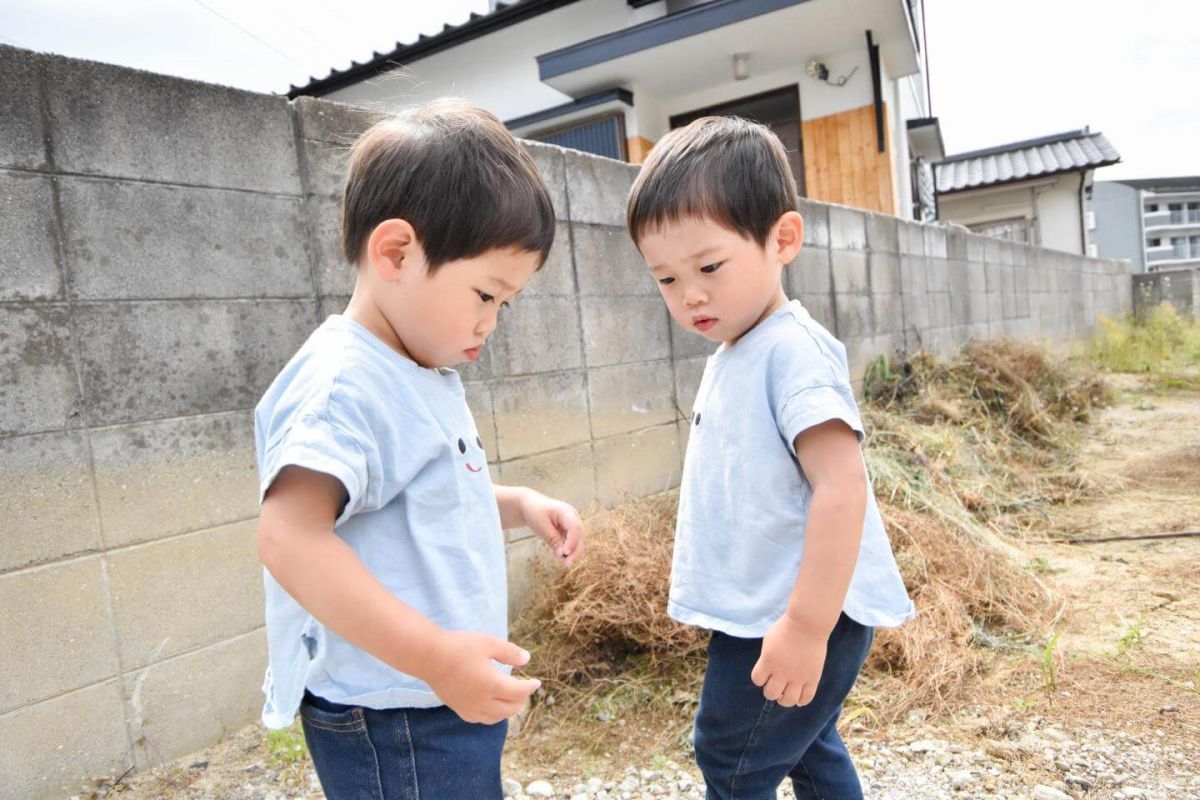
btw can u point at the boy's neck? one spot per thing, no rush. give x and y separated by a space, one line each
778 300
362 309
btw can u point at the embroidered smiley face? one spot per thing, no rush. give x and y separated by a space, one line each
462 449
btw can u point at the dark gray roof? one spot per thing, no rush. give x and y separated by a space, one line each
503 15
1034 158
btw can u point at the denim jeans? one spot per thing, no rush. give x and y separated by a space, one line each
402 753
746 745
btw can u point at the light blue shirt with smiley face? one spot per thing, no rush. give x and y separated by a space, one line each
421 512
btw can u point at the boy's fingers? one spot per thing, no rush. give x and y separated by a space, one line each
760 674
774 688
509 653
806 696
515 690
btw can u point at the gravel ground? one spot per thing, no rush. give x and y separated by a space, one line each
979 759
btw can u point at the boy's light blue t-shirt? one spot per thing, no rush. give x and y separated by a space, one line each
744 500
421 513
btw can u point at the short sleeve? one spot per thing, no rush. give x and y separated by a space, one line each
316 443
809 407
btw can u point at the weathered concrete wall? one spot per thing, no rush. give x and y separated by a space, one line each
168 245
1179 287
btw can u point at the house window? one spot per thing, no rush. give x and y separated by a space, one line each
1014 230
1156 241
1153 207
602 136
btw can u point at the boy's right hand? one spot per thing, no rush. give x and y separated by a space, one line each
462 676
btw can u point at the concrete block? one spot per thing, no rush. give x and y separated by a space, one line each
888 312
912 237
620 330
977 306
993 273
884 271
976 246
991 250
809 272
688 373
685 344
916 310
22 142
38 390
914 275
539 413
976 276
166 599
329 121
537 334
995 307
556 278
529 564
597 188
479 400
223 680
609 264
170 476
637 464
114 121
326 164
55 744
937 274
935 242
140 240
821 308
629 397
55 633
854 316
567 474
28 260
960 287
847 228
46 511
153 360
552 166
850 272
883 233
816 222
956 244
940 315
335 275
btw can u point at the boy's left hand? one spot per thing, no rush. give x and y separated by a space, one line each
556 523
789 668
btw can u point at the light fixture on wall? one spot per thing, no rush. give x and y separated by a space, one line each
741 66
820 71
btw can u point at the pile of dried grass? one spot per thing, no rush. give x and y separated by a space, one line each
962 456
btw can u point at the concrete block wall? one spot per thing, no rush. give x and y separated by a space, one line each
1179 287
169 245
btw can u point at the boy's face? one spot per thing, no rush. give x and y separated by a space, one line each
444 319
716 282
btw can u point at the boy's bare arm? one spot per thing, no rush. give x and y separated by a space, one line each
297 544
793 654
556 522
832 462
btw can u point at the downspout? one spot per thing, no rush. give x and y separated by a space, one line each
1083 214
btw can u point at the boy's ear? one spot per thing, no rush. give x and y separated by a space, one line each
391 246
787 236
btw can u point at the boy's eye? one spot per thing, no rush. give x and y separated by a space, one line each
485 297
711 267
666 281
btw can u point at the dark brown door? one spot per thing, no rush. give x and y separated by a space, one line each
778 109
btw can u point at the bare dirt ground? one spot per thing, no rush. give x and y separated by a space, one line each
1108 709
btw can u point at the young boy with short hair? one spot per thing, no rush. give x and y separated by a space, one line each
380 528
779 546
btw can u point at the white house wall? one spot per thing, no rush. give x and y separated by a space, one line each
1058 212
501 73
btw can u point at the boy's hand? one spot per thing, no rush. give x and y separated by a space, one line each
791 662
461 675
557 523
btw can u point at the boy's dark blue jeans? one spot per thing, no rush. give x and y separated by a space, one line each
402 753
746 745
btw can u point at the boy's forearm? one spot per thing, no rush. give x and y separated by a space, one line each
326 577
831 542
509 500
